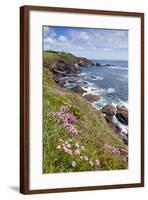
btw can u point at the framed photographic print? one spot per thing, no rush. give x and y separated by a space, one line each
82 99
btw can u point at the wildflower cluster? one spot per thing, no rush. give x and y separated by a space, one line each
66 119
122 152
76 152
77 156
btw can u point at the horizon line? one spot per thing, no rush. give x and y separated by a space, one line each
86 56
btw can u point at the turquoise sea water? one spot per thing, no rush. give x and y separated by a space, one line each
108 82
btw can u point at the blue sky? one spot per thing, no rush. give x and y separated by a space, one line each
87 42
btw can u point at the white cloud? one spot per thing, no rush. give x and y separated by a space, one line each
83 35
62 39
86 41
48 43
49 40
99 37
48 31
107 49
77 35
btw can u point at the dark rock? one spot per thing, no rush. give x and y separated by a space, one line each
93 89
59 81
108 65
58 72
109 110
61 65
62 83
83 62
125 140
122 108
56 79
108 118
114 126
72 81
94 77
76 72
63 68
91 97
116 129
78 90
85 83
98 65
122 114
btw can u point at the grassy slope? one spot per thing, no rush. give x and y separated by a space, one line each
93 131
49 58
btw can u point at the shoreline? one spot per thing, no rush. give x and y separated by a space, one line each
77 81
69 73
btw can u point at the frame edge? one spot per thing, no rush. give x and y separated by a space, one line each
142 100
24 99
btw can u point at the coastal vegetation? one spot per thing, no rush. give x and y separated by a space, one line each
76 136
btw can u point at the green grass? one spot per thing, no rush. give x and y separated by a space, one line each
50 57
93 132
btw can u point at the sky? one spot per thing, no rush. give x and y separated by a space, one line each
87 42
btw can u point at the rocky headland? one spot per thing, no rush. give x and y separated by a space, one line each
121 113
67 65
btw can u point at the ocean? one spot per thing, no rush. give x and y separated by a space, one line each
110 83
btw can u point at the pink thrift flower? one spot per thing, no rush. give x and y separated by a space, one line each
65 149
115 150
66 142
73 163
68 145
77 151
91 163
97 162
81 157
70 152
73 130
64 109
107 146
65 121
77 145
124 150
118 152
71 117
124 159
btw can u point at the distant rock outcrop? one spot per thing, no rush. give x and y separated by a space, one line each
84 62
91 97
122 114
98 64
109 110
78 90
104 65
108 65
64 68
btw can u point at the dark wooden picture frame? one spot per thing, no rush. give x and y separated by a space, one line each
24 97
